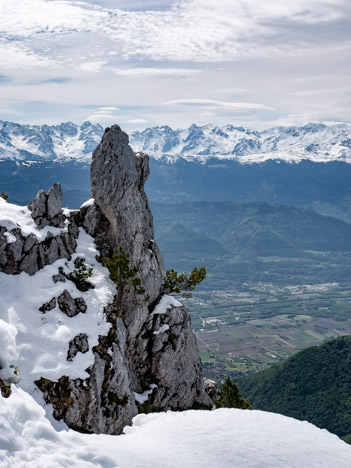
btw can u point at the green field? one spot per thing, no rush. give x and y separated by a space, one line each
243 332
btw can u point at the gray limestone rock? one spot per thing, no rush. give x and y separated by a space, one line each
118 177
79 344
54 201
39 205
60 277
71 307
28 254
212 388
46 208
48 305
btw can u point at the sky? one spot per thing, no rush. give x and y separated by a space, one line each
159 62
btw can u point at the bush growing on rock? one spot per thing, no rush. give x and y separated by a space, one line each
122 274
176 283
81 271
4 196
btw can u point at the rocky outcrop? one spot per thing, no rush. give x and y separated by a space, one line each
46 208
150 348
48 306
26 253
79 344
71 307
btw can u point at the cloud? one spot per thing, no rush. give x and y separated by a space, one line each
78 55
211 104
190 30
156 72
103 114
15 56
92 66
136 121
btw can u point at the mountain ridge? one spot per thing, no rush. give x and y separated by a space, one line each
67 141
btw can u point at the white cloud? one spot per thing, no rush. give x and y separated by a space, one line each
103 114
92 66
14 57
192 30
156 72
108 109
31 18
292 55
211 104
136 121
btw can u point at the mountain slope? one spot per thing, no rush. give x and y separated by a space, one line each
253 242
313 385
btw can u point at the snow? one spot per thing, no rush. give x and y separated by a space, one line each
223 438
42 340
15 216
11 239
8 352
162 329
142 397
166 303
89 202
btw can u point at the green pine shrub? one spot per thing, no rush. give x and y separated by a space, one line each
229 396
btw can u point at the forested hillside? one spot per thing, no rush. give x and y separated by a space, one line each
313 385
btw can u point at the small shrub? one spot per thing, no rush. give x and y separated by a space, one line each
80 275
229 396
176 283
123 275
4 196
81 271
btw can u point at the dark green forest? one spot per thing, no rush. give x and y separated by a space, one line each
312 385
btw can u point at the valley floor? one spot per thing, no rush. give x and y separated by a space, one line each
247 330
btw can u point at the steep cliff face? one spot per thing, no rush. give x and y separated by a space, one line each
146 358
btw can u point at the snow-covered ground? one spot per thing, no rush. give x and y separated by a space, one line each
42 339
221 438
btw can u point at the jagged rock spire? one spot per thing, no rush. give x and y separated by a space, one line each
118 176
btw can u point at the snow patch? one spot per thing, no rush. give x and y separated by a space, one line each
8 352
162 329
89 202
10 238
19 217
142 397
166 303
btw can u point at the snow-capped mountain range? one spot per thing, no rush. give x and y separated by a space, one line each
62 142
316 142
65 142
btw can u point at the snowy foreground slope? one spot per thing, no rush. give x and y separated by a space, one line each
220 438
